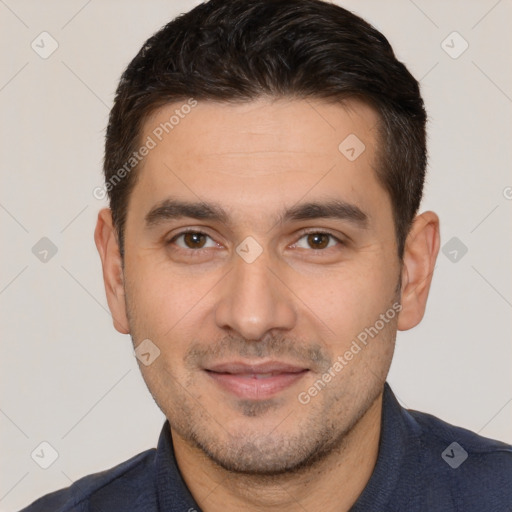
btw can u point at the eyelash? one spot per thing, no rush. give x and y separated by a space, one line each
198 252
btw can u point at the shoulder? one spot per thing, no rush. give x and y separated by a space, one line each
472 472
437 433
121 487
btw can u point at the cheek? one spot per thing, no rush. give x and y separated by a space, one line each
163 300
346 300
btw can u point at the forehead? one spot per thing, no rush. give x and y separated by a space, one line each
304 126
257 155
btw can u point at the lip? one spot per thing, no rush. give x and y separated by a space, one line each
255 381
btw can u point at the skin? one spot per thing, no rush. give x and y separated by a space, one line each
302 300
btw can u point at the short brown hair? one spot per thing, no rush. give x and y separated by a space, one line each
240 50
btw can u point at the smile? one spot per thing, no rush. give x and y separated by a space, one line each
255 382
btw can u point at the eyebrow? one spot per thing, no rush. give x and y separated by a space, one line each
171 209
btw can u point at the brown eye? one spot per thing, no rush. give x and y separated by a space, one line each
188 240
318 240
194 240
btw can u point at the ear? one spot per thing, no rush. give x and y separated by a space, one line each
108 247
420 254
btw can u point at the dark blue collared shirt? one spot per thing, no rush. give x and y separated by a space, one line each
423 465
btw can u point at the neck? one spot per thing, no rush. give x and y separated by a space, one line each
332 484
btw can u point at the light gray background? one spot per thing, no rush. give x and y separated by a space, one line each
69 379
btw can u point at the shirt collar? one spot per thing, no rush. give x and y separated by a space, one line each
173 494
399 455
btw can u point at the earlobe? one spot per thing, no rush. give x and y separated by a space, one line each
420 254
108 248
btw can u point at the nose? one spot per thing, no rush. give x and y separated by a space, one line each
254 300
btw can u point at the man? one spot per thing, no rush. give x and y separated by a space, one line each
265 163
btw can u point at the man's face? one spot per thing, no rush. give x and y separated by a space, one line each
252 310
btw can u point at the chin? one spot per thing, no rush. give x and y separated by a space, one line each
267 454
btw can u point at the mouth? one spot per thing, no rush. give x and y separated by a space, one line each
255 381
